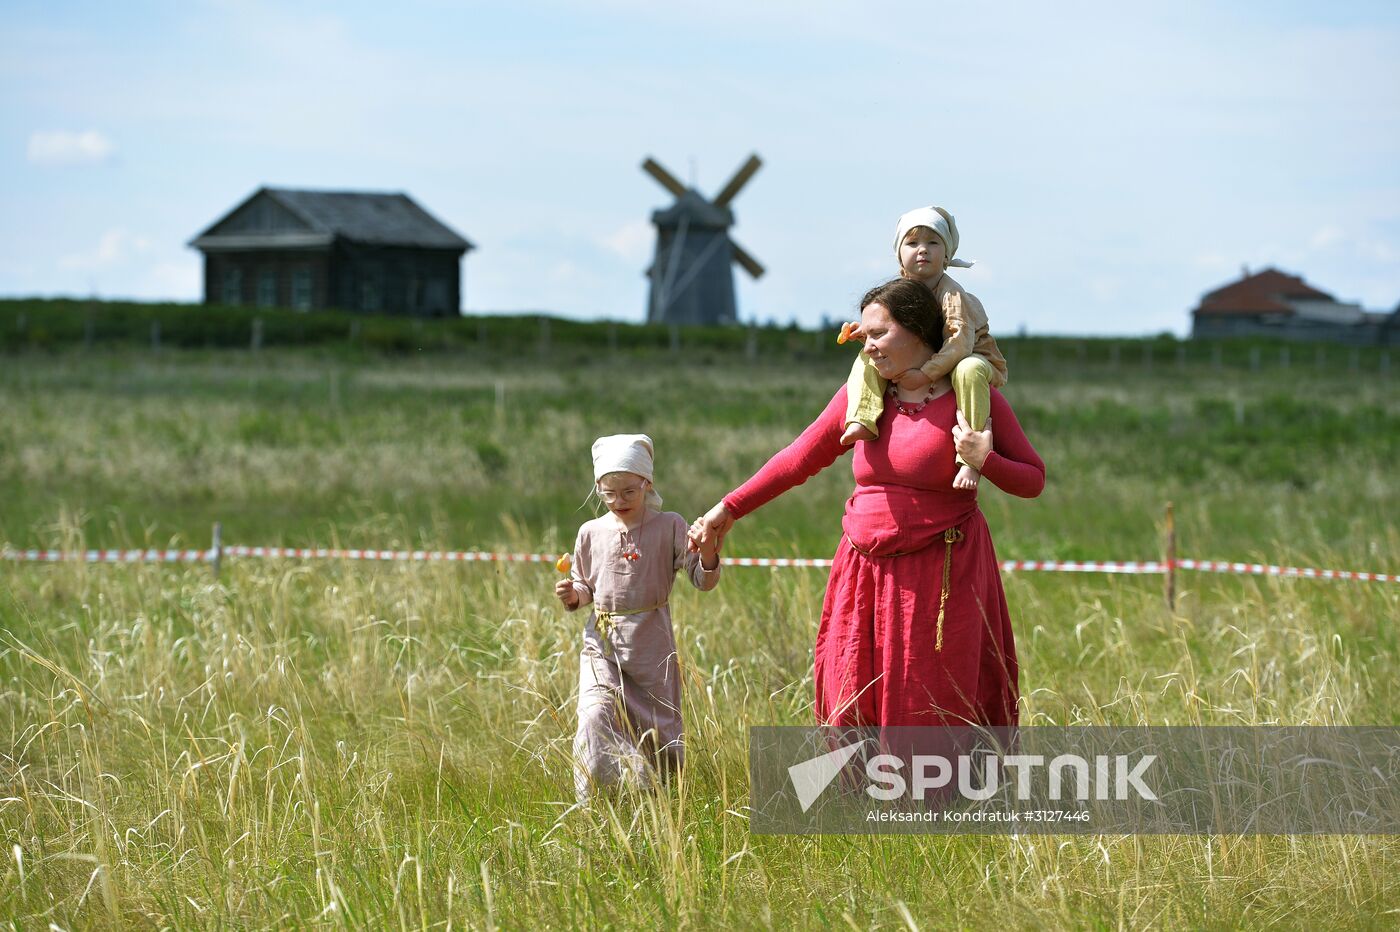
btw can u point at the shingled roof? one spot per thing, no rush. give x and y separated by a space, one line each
383 219
1264 292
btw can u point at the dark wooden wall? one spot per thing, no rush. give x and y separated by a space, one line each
371 279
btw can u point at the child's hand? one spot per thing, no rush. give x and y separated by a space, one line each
709 551
850 330
567 594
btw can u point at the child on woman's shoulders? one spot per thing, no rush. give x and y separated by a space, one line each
925 244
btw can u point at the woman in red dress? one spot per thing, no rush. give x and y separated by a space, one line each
914 627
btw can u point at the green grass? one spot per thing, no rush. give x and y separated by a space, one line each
384 745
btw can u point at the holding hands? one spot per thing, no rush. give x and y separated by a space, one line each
707 534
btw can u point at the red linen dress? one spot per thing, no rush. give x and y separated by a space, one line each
877 656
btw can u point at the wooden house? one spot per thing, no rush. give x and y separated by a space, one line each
368 252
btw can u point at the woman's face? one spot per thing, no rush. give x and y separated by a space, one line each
892 348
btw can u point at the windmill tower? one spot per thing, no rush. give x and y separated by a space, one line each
692 276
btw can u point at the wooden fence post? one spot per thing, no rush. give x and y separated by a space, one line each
218 548
1171 558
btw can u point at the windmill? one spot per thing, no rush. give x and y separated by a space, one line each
692 279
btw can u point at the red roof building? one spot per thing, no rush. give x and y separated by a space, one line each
1275 304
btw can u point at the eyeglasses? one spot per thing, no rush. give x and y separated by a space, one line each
612 496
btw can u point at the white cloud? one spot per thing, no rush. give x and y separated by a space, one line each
62 147
115 247
1327 236
632 241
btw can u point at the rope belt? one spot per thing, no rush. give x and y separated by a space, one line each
950 537
605 620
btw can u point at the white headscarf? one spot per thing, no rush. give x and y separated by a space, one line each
626 453
939 221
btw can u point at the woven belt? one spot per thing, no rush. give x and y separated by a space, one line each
604 620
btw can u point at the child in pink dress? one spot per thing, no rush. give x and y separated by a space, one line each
624 563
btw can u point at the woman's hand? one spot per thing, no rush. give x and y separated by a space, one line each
707 533
567 594
974 446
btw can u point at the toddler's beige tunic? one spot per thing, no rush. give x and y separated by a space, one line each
629 690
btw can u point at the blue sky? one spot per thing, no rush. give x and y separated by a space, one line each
1107 162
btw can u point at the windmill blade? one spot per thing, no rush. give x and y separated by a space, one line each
667 180
749 263
741 178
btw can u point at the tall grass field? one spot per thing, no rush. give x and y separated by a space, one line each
320 743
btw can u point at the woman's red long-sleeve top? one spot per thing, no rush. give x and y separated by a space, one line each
904 496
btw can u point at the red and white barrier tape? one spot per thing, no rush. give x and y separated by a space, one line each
1300 572
1132 568
107 556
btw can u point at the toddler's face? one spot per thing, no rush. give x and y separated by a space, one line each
922 255
623 492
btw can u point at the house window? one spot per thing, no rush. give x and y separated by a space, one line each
267 288
301 289
233 287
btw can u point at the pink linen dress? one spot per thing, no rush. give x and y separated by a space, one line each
629 695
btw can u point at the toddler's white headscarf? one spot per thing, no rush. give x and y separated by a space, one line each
626 453
939 221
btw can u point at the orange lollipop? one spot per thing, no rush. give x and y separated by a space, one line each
564 563
845 335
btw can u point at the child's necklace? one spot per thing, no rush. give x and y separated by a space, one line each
628 543
913 408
